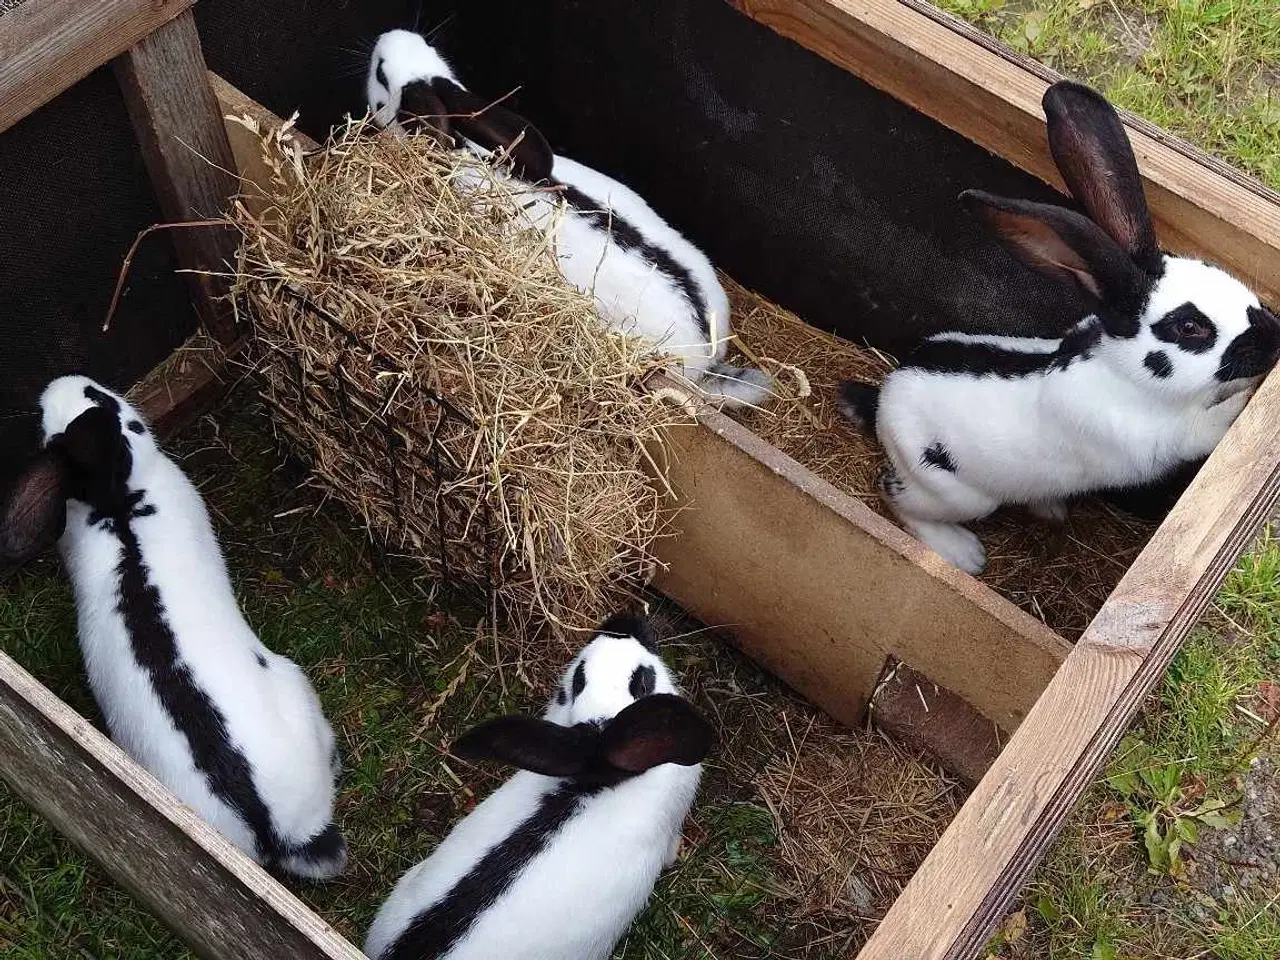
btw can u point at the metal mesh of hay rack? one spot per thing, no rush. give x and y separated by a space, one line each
417 343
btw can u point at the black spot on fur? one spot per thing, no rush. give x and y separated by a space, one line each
936 455
135 426
381 74
104 400
1187 327
627 237
561 697
437 929
262 661
988 360
630 625
1157 361
643 680
579 679
889 482
1253 352
860 402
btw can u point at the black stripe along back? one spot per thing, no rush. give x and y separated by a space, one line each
436 930
627 237
226 770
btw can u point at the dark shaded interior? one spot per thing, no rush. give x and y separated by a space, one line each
73 195
802 181
797 178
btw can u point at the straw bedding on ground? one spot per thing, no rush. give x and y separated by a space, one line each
1059 575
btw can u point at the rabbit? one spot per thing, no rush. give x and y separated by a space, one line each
645 277
1150 380
557 862
184 685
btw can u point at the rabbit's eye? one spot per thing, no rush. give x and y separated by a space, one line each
1187 327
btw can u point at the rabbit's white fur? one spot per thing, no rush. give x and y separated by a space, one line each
632 292
1065 448
272 714
577 896
1151 381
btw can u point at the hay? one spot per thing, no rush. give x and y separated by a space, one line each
1059 575
853 813
416 340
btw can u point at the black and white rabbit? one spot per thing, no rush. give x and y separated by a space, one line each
559 860
1152 379
646 278
185 687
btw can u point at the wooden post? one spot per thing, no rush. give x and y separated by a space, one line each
46 46
176 118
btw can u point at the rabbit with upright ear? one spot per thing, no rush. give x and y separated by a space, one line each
185 688
560 859
646 278
1153 378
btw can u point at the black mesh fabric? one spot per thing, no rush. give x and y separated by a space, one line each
73 195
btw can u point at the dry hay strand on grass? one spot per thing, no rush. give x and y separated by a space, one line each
854 814
414 336
1059 575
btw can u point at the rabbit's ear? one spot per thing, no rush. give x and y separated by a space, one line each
494 127
654 730
422 109
1062 243
538 746
1092 151
36 512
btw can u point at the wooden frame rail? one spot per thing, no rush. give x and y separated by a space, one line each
46 46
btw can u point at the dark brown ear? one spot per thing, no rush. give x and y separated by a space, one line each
36 512
494 127
1061 243
422 111
530 744
1093 153
654 730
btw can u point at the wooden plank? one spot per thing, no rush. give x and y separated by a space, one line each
821 590
46 46
185 386
246 145
176 118
221 903
918 713
952 73
959 894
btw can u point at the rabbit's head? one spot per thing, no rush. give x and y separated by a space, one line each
1183 329
412 89
94 442
616 713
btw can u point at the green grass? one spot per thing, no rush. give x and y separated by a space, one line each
1208 70
395 672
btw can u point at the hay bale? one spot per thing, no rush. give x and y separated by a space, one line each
417 341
